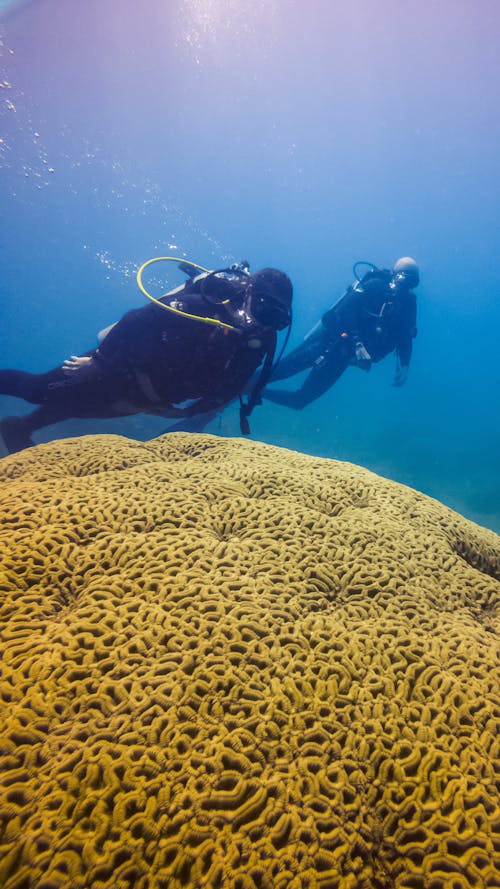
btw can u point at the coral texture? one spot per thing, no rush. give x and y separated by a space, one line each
231 665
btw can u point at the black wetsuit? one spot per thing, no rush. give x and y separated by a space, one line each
150 361
371 313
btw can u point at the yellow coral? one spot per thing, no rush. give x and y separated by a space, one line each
230 665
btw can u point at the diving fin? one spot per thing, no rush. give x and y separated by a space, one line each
13 436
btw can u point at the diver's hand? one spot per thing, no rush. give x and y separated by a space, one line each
400 376
363 357
79 364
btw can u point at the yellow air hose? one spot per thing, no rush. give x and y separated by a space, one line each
158 302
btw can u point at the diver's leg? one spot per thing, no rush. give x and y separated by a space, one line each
16 432
82 401
325 372
60 397
34 388
300 358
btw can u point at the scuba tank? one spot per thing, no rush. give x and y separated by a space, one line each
373 272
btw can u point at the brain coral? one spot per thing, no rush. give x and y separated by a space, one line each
230 665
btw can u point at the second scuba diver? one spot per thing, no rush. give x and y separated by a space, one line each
375 316
190 352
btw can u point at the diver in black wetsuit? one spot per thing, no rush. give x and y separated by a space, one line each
375 316
201 346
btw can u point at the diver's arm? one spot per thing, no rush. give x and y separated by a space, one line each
81 366
404 350
403 356
404 346
84 365
119 334
111 352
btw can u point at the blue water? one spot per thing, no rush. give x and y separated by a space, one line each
303 137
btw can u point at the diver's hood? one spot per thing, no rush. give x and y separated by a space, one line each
271 295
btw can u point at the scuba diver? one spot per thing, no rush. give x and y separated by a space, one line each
191 351
375 316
